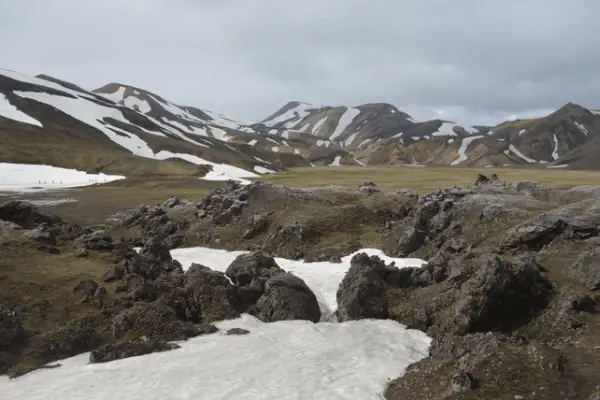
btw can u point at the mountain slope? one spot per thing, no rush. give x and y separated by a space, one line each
379 133
48 121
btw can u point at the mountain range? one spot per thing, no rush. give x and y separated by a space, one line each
119 128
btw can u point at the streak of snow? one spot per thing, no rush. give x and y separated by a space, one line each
318 125
522 131
261 160
272 141
291 117
9 111
220 172
262 170
296 151
397 135
351 138
91 113
32 177
345 120
462 150
447 129
252 142
555 155
44 83
520 155
581 127
336 162
450 140
275 149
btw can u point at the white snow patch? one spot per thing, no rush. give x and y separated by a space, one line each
253 142
558 166
91 113
397 135
51 202
275 149
9 111
522 131
116 96
285 134
26 177
595 112
581 127
364 142
220 172
350 139
137 104
273 141
318 125
447 129
296 151
323 278
285 143
292 116
450 140
345 120
280 360
261 160
336 161
262 170
520 155
555 155
462 150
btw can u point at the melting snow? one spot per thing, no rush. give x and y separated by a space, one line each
336 161
220 172
318 125
253 142
581 127
555 155
397 135
263 170
519 154
116 96
351 139
137 104
296 151
292 116
9 111
447 129
462 150
91 113
275 149
281 360
450 140
522 131
345 120
26 177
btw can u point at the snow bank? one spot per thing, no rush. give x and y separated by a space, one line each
345 120
336 161
9 111
462 151
219 172
275 361
27 177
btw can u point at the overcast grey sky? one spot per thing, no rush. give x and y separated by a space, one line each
472 61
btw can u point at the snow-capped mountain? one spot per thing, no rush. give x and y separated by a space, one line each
116 126
44 120
379 133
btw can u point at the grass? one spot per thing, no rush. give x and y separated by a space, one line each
519 123
423 180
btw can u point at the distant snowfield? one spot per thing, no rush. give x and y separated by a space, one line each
31 177
275 361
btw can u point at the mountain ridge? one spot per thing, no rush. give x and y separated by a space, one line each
122 119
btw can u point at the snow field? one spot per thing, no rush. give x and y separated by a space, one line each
287 360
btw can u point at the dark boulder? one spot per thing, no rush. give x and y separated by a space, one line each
130 348
287 297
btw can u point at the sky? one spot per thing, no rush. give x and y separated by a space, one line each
467 61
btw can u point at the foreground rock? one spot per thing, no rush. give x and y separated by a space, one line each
131 348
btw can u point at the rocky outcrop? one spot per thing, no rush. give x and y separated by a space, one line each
287 297
130 348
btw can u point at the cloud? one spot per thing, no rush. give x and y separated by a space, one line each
478 62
